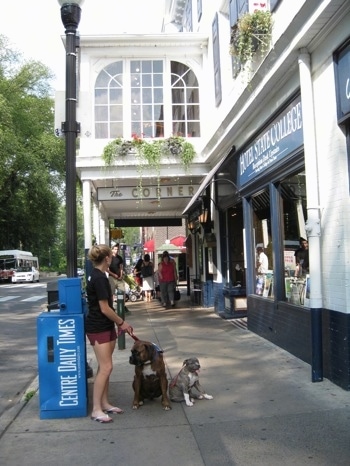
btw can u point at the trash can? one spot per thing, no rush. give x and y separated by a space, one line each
62 354
197 292
52 295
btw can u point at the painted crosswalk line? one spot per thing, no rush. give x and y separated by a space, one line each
4 299
8 298
33 298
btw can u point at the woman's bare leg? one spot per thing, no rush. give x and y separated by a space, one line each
103 354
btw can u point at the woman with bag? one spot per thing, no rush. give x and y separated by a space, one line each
147 272
167 275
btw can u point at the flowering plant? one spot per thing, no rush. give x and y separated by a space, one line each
251 32
150 152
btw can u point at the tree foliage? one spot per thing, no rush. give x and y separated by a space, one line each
32 162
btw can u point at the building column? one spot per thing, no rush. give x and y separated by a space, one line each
87 214
96 222
313 224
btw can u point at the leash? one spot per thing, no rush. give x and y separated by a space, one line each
173 383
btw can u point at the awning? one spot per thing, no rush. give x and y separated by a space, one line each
148 246
179 241
204 184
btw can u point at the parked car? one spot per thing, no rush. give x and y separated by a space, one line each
80 272
25 274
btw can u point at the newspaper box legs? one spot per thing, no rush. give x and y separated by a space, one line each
62 355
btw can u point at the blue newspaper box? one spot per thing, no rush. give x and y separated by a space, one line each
62 355
70 295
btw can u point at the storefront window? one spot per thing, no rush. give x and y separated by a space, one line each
236 268
263 245
296 253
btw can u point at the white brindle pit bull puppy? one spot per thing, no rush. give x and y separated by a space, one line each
180 388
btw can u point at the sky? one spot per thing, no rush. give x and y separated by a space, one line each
41 39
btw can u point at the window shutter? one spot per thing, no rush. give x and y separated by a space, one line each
216 59
188 24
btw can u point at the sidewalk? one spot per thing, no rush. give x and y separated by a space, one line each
265 411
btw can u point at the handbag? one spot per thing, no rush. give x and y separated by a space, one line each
177 294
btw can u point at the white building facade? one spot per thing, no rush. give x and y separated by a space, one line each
272 143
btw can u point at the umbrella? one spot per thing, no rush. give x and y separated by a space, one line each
171 248
149 245
179 241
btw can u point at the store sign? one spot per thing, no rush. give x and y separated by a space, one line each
125 193
343 83
282 137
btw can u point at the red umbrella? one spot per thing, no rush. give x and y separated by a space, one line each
179 241
148 246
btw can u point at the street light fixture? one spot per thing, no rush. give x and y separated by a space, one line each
70 15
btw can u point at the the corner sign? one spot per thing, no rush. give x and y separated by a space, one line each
125 193
283 136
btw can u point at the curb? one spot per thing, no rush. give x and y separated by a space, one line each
7 418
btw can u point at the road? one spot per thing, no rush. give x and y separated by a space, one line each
20 304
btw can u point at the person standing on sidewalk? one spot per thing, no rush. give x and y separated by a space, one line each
167 275
137 272
116 271
100 330
147 271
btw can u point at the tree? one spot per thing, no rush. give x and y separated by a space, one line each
32 161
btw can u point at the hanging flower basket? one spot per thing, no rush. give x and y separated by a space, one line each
150 153
252 32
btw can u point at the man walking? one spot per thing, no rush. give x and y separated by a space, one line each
116 270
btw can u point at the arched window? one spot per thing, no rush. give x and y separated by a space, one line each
185 101
109 102
142 106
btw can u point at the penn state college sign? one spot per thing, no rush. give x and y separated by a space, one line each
282 137
146 192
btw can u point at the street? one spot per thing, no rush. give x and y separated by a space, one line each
20 304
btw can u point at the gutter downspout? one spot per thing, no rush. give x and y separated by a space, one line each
313 223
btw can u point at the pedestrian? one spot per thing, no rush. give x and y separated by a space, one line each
147 271
262 261
100 330
137 272
156 285
116 271
167 275
302 258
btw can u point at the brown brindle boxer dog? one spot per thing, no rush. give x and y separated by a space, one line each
150 379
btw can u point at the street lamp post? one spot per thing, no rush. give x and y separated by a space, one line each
70 15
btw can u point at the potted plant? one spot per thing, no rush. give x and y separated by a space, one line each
117 148
178 146
251 32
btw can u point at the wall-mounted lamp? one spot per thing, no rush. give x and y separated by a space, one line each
193 227
203 218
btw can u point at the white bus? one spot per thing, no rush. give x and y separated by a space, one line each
18 266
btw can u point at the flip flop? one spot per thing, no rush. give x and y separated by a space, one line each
102 419
113 410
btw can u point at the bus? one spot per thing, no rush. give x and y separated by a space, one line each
16 266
